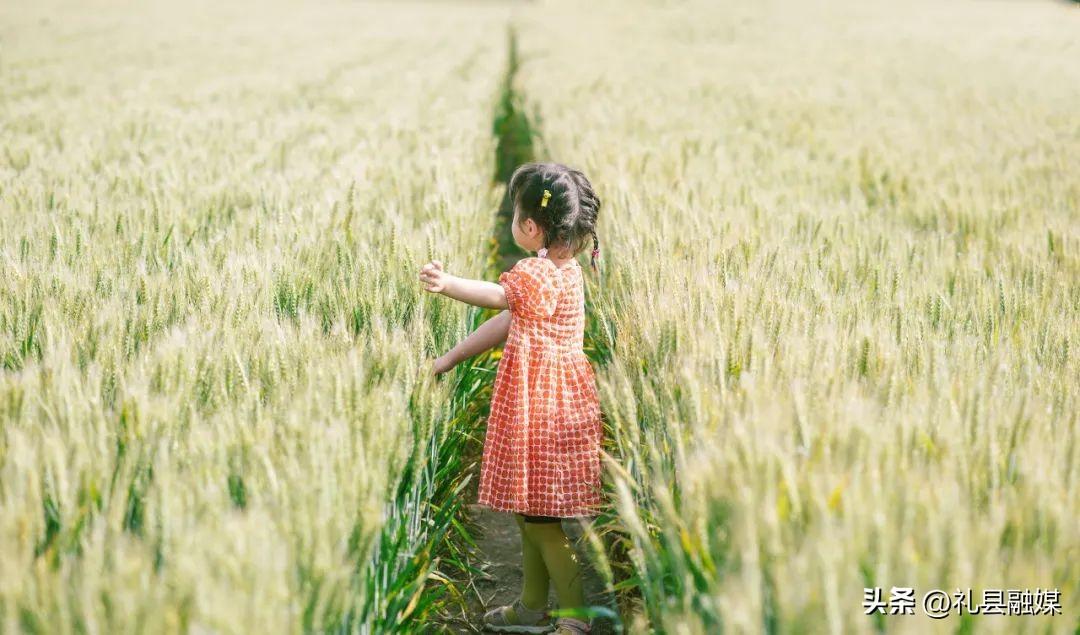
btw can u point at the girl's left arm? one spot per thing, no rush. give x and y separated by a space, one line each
482 293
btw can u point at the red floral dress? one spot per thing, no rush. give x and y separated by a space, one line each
542 449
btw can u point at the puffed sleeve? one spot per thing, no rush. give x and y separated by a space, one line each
532 287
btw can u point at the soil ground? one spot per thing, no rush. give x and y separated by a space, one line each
499 559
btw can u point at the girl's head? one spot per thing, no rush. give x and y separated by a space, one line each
565 221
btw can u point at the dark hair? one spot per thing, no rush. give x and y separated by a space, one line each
569 217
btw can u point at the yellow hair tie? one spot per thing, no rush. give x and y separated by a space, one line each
547 195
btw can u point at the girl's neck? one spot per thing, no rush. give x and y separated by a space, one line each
560 260
564 263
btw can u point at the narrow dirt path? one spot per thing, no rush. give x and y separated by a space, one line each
498 558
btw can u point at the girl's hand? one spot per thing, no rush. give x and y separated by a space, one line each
442 365
433 277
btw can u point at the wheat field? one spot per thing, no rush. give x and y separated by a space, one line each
842 283
211 333
835 329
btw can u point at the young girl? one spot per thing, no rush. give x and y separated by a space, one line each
541 456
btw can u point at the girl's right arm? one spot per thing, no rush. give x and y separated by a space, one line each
481 293
487 335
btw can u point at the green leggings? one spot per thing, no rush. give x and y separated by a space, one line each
548 557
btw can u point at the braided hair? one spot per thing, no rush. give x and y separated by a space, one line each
568 214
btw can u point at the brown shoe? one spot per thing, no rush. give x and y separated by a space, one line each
571 626
517 618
